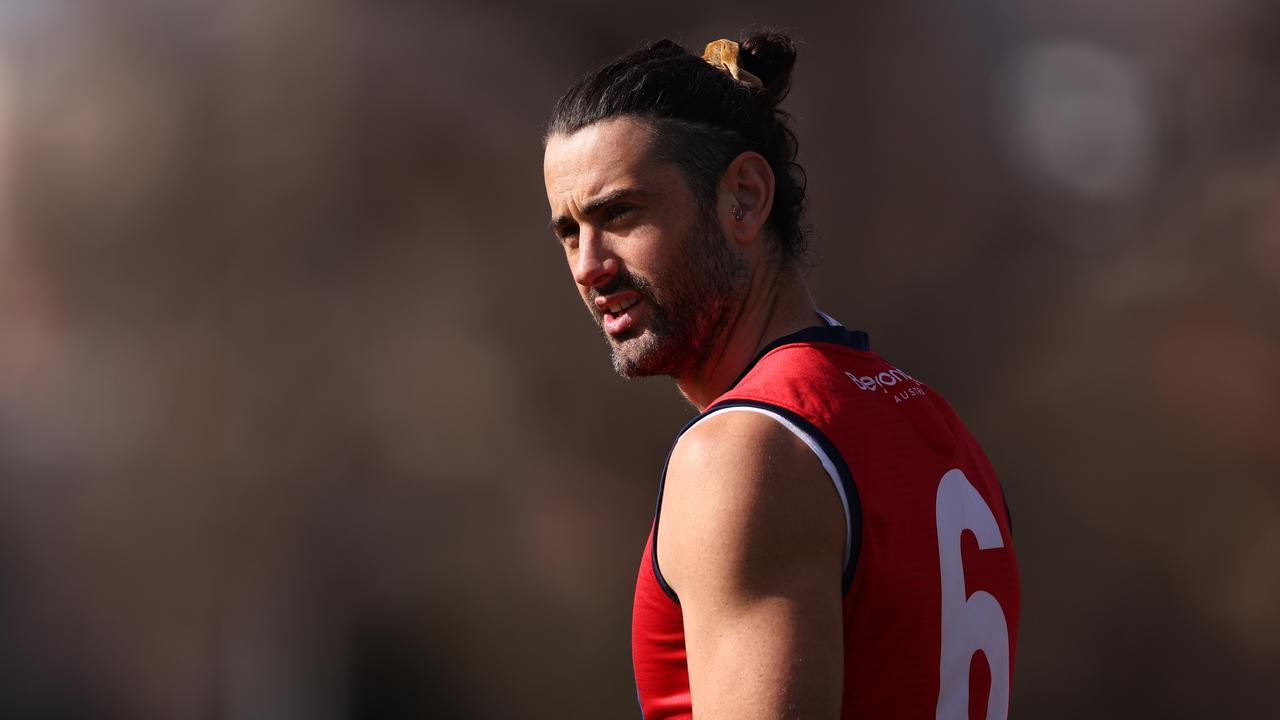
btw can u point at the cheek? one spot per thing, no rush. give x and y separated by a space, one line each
585 294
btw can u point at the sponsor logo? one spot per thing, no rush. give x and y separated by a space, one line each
882 381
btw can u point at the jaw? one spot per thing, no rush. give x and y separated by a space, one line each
645 354
632 355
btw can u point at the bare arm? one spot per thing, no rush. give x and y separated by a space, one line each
751 539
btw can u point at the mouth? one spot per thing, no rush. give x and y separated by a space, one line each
615 308
621 314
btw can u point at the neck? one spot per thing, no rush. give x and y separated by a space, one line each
777 304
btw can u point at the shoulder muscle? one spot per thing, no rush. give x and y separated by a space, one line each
751 539
746 503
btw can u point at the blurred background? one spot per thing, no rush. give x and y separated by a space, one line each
300 413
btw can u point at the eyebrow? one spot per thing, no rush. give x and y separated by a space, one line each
595 205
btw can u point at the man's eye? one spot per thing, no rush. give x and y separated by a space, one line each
617 211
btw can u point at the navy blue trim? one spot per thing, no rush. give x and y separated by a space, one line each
832 334
842 469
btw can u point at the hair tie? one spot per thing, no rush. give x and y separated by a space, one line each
723 54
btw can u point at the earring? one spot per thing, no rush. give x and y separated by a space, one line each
737 212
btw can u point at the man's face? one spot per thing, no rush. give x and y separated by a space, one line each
653 267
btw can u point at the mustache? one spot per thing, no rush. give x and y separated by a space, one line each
622 280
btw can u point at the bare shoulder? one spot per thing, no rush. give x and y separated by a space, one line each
747 508
729 439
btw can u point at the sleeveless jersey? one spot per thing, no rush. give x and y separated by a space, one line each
929 577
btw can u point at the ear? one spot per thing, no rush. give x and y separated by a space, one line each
747 184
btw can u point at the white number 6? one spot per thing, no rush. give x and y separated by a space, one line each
972 623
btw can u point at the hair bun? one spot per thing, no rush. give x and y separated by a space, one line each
770 56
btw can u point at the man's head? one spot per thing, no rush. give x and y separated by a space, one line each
661 171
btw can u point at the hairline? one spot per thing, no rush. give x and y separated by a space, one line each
653 131
704 197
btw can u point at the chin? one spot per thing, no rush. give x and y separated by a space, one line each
643 356
630 366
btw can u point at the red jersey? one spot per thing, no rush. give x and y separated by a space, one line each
929 575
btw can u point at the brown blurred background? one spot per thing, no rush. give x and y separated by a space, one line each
300 416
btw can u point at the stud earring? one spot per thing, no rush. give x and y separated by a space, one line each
737 212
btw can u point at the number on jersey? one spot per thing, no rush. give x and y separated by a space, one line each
969 623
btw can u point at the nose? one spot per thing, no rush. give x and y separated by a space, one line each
595 263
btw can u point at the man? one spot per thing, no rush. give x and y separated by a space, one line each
829 541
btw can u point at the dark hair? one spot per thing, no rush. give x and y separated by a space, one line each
702 118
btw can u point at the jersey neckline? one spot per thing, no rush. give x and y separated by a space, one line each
834 334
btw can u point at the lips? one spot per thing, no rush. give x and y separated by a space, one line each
619 312
618 307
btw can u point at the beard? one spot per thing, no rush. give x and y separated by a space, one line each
690 307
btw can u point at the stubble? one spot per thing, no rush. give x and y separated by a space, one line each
691 306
